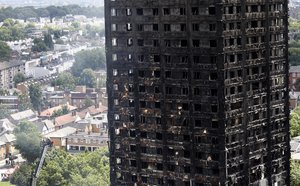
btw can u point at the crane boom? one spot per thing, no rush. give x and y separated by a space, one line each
38 168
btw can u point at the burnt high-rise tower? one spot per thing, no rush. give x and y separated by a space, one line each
198 92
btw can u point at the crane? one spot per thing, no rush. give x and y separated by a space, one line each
45 145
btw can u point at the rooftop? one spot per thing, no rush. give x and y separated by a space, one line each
79 95
61 132
22 115
294 69
7 138
83 135
9 97
50 111
5 65
92 110
65 119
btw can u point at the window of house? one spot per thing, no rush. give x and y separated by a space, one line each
197 107
195 27
212 10
166 11
195 11
128 12
139 11
155 11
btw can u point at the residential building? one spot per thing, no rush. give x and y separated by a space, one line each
78 99
294 74
50 111
6 126
10 102
28 115
63 121
198 92
92 111
59 137
7 141
295 148
45 127
8 70
81 141
294 99
57 100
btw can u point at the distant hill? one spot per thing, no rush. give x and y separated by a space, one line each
43 3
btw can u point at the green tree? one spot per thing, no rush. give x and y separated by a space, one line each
88 102
94 59
88 78
35 94
76 25
39 45
85 170
11 30
28 140
21 176
4 92
61 168
55 11
48 41
65 81
295 173
24 102
5 51
63 111
4 111
25 127
295 122
18 78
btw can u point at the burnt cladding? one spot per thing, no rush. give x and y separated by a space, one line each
198 92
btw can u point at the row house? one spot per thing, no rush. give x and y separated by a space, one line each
8 70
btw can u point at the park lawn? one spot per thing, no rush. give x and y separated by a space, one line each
2 183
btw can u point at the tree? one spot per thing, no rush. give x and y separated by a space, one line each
65 81
21 175
88 78
24 102
35 94
55 12
5 51
295 173
63 111
76 25
4 92
4 111
295 122
94 59
28 140
18 78
61 168
88 102
48 41
11 30
39 45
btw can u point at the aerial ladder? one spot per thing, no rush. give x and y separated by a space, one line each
45 146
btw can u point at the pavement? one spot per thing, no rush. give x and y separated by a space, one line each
3 164
4 168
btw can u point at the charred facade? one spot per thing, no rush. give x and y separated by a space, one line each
198 92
